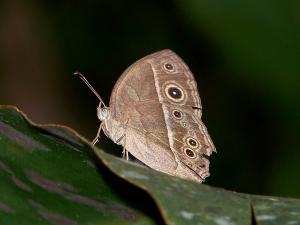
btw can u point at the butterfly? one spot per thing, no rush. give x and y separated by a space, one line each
155 114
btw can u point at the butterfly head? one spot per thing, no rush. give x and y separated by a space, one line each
102 112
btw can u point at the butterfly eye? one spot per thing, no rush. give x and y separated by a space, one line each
192 142
169 67
177 114
174 93
190 153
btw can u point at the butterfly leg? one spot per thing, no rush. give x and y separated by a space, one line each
98 134
125 154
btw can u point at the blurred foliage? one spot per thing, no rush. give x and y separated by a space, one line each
244 56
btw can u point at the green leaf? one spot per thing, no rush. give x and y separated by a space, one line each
181 201
48 176
185 202
274 210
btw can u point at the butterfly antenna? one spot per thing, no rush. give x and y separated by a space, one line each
90 86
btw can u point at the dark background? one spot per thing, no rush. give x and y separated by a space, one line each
244 55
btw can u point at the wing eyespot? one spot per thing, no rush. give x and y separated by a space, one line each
183 124
192 142
169 67
190 153
174 93
177 114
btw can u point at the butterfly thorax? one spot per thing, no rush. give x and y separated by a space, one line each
110 126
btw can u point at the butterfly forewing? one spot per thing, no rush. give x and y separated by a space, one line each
134 104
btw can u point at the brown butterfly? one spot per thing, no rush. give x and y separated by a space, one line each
155 114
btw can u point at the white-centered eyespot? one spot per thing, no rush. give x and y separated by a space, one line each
177 114
190 153
192 142
169 67
183 124
174 93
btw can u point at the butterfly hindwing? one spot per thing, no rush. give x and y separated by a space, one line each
181 104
